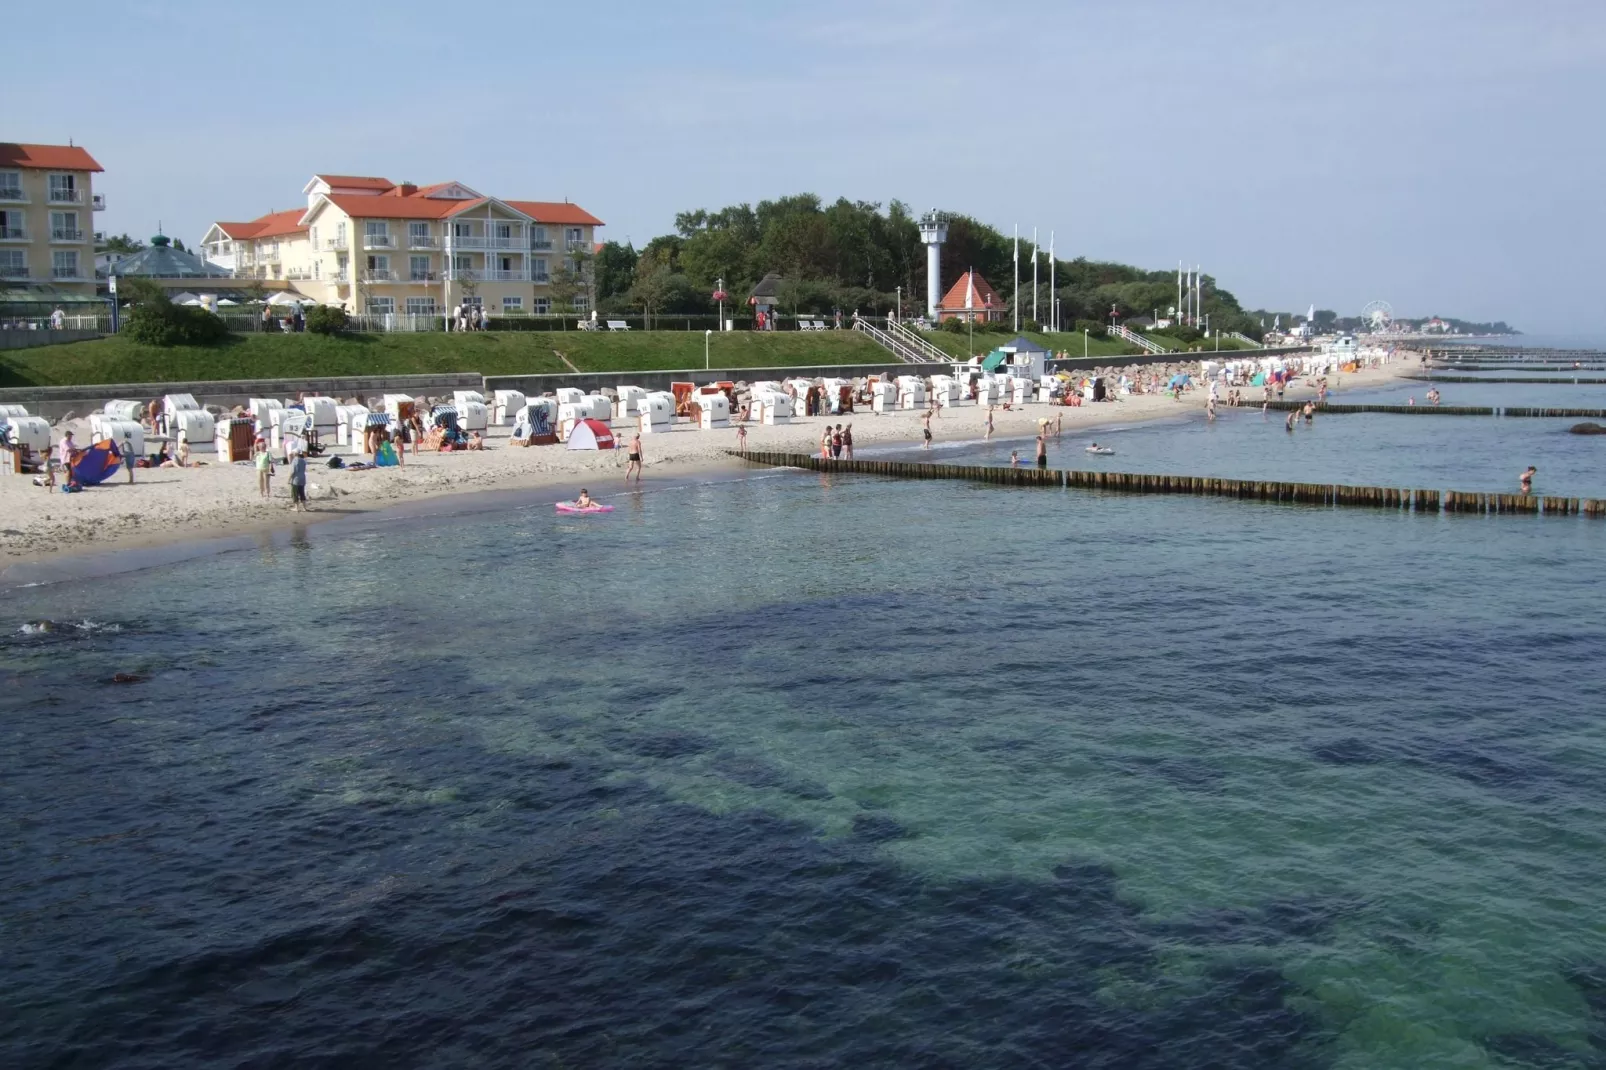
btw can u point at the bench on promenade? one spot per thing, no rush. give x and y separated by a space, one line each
618 325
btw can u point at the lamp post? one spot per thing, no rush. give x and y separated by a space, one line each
708 336
720 295
1084 343
899 291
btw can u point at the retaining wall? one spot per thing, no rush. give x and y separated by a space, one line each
29 339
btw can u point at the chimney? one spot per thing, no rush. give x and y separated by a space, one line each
406 189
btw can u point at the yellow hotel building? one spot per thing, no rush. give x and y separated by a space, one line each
374 246
47 233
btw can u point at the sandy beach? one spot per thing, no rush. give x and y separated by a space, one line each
199 502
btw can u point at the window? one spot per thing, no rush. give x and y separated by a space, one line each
538 270
313 234
512 304
573 238
581 303
379 263
418 233
418 269
376 228
11 224
505 264
420 306
568 264
538 238
64 188
381 306
542 306
502 230
13 263
463 265
64 226
64 264
462 230
11 185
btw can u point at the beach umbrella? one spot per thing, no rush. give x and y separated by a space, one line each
284 298
226 301
194 301
183 298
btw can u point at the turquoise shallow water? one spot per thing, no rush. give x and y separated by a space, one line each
805 771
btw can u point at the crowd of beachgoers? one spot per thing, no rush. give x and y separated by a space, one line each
386 451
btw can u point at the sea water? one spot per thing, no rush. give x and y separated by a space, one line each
802 771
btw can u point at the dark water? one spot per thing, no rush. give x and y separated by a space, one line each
805 772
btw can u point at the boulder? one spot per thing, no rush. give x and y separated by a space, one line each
1588 429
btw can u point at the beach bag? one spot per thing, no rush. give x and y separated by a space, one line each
336 462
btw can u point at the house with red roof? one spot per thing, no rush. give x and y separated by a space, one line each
47 232
971 298
378 247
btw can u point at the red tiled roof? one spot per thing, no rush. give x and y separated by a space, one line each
985 297
356 182
559 212
59 157
269 226
410 207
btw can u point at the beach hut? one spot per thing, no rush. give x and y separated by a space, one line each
129 435
173 404
569 395
232 439
399 406
260 408
505 406
772 407
288 428
656 412
196 427
625 406
946 390
1021 389
587 434
834 396
883 396
473 416
598 407
121 409
323 413
911 392
467 397
713 411
989 391
27 437
570 413
350 422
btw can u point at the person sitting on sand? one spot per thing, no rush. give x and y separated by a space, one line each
1526 480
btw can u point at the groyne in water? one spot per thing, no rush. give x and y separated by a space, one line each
1329 494
1333 409
1557 381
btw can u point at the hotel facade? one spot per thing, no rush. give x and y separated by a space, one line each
378 247
47 206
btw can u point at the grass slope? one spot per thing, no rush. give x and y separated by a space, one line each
292 356
959 345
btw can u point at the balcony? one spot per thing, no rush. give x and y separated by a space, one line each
540 243
13 234
66 196
268 256
13 271
12 193
504 276
298 275
422 241
66 274
334 244
423 276
541 279
481 242
337 276
66 234
378 276
98 202
378 241
575 245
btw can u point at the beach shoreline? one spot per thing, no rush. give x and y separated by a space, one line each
164 507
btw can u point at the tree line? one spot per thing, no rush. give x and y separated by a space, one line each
859 256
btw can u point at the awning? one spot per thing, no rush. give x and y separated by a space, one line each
994 359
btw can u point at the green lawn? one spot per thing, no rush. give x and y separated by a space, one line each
1176 345
960 345
253 356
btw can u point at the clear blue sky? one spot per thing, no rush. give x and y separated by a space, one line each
1445 155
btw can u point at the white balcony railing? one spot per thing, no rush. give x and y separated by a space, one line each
423 276
540 243
298 274
66 234
13 234
334 244
574 244
378 241
378 276
337 276
10 193
505 276
66 196
476 241
542 278
422 241
268 256
71 274
12 271
99 202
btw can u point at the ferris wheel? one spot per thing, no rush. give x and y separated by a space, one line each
1378 315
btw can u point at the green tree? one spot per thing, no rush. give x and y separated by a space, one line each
123 243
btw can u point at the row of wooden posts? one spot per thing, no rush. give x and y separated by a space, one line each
1574 381
1330 494
1437 410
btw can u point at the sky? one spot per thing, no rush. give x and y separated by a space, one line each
1443 155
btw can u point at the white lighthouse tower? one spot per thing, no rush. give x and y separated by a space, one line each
933 231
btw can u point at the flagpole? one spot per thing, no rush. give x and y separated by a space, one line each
1181 318
1016 302
1034 275
1053 294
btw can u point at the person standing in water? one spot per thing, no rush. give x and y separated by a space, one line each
1309 412
1288 424
989 432
926 429
1042 449
1526 480
633 460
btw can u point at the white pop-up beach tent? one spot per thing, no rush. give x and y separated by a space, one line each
590 435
